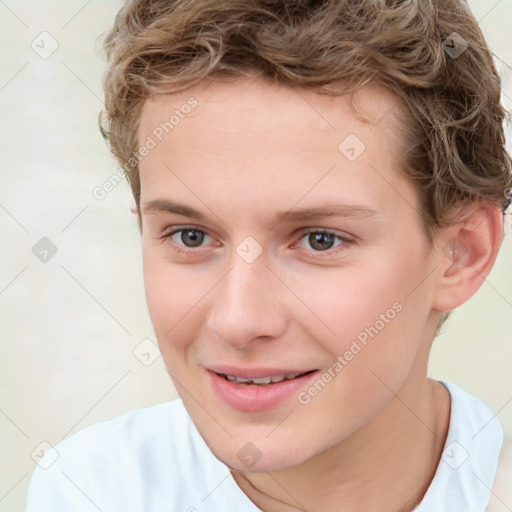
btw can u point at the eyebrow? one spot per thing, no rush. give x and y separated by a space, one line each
297 215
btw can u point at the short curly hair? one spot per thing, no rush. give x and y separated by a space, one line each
431 53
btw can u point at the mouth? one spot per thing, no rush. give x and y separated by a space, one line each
258 390
263 381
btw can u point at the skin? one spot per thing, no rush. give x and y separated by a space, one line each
373 437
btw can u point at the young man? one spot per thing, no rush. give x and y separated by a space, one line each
318 185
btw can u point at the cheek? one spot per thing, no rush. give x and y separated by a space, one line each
377 324
345 301
171 295
368 313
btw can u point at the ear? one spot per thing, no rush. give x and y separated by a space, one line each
466 255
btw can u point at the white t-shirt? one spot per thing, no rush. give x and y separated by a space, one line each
154 460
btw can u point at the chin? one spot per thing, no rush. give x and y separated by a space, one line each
251 451
252 460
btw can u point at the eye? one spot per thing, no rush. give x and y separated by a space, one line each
321 241
187 237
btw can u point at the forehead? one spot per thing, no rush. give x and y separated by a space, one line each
241 136
259 105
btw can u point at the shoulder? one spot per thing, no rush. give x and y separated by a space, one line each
139 430
133 462
501 497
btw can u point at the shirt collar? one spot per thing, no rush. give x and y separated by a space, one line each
466 471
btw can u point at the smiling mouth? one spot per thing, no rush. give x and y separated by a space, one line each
263 381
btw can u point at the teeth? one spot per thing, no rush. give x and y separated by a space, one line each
263 380
292 375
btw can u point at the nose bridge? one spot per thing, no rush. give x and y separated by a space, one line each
245 305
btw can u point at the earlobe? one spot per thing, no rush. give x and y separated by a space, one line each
466 256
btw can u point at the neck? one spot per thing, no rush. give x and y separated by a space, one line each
386 465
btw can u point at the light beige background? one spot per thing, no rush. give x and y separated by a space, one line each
70 326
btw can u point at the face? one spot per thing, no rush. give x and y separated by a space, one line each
280 241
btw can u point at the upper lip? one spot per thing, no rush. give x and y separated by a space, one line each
254 373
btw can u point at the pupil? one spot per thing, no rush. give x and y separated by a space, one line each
321 241
192 238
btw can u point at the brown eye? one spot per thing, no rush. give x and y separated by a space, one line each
191 237
321 241
187 237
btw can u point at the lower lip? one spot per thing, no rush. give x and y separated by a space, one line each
256 398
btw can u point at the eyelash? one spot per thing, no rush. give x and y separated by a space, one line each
318 254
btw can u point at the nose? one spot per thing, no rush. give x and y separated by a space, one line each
246 304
